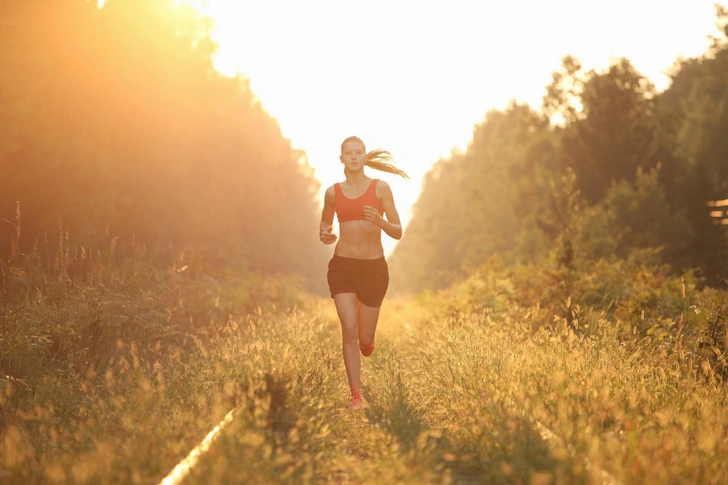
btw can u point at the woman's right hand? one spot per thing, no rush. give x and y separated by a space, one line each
327 237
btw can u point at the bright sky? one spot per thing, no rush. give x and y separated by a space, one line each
415 76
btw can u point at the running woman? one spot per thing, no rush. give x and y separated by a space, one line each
358 275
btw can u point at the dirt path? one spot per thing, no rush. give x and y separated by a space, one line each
406 432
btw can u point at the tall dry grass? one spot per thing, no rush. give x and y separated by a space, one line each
113 373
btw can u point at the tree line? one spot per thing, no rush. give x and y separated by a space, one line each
117 127
607 165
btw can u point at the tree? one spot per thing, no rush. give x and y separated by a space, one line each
612 133
116 118
693 122
473 204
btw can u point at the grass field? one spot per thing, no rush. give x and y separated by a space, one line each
117 380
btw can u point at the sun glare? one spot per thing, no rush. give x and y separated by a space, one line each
416 80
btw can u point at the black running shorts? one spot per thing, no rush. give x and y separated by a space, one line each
368 278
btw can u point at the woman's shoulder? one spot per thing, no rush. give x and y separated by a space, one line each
383 187
330 193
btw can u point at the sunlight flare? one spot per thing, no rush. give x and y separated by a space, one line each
415 81
183 468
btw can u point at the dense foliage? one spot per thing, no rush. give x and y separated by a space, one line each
115 123
644 165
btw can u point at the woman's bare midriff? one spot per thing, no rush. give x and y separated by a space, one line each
359 239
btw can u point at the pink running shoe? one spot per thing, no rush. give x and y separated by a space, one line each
356 399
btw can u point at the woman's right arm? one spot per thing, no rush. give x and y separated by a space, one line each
327 218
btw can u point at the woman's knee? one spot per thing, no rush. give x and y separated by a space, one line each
350 333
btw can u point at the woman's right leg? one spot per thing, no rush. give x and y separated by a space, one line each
347 311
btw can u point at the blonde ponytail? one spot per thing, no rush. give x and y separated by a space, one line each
383 161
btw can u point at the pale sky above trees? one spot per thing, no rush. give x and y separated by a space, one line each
415 77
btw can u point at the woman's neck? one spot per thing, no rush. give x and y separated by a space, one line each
356 178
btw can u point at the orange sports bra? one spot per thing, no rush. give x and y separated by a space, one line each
353 209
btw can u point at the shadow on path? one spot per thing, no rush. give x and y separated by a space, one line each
503 447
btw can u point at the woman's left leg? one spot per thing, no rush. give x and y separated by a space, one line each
368 318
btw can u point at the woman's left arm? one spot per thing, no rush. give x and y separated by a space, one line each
391 225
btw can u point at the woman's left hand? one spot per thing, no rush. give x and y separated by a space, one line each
371 214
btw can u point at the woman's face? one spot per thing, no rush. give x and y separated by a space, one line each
353 155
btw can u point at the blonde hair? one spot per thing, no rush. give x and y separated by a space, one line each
378 159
